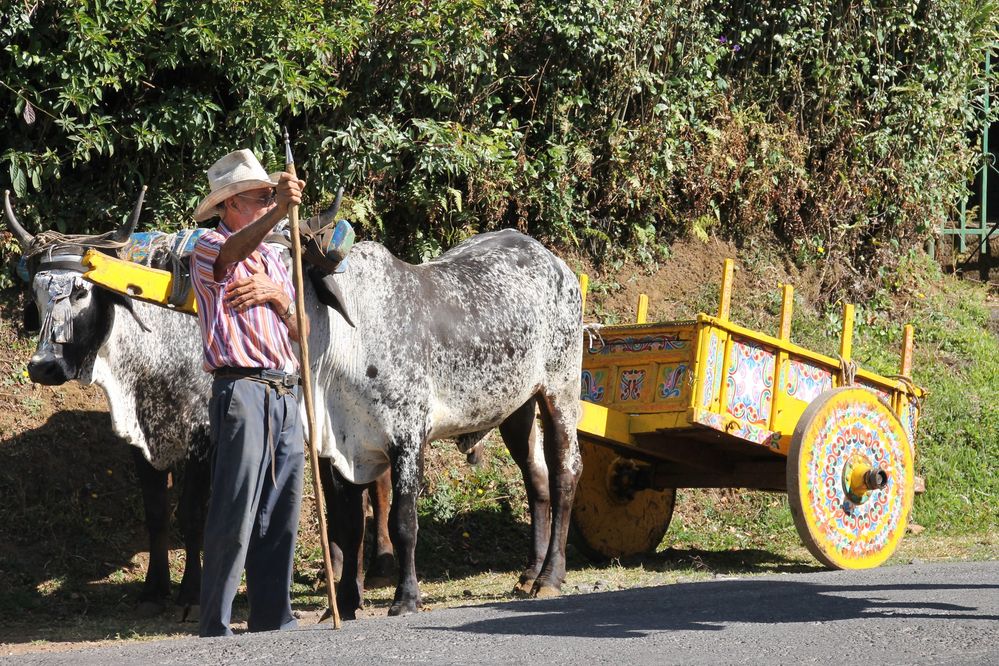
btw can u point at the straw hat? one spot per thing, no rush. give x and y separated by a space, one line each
237 172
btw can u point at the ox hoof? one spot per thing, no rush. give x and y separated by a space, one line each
148 609
524 588
373 581
399 609
189 613
328 613
381 573
347 610
546 592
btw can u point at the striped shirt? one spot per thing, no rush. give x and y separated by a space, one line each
253 338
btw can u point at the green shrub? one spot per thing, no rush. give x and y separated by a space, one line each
841 129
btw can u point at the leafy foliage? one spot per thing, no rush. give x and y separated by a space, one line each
131 92
838 127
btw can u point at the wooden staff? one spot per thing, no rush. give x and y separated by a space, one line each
311 444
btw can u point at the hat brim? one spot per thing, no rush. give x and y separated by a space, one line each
206 209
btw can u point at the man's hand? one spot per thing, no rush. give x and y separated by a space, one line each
258 289
288 193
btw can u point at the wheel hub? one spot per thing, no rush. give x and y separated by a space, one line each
860 479
626 477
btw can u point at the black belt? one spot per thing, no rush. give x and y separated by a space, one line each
266 375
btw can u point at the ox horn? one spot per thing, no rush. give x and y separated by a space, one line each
23 237
125 230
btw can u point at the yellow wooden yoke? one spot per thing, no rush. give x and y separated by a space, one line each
134 280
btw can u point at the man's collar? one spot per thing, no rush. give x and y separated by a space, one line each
223 229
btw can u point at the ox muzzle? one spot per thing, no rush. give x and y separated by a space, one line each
50 369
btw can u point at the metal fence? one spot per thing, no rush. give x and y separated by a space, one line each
971 234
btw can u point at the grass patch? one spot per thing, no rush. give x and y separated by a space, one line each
957 360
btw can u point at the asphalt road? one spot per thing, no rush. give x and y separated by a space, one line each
913 614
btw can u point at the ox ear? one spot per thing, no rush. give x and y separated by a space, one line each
329 294
32 322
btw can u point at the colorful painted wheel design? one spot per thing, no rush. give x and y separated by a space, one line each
609 521
850 479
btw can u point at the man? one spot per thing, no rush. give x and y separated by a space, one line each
246 308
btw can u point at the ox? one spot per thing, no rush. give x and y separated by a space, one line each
147 360
486 335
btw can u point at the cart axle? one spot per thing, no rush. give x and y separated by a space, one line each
626 477
876 479
862 479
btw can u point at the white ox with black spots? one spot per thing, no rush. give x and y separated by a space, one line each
147 361
486 335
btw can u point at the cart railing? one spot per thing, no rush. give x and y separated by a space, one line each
714 373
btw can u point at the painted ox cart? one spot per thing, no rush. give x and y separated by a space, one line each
710 404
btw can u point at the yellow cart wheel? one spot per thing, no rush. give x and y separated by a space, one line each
610 520
850 479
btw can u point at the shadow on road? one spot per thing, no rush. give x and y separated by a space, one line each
709 606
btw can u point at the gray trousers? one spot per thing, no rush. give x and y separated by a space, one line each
252 521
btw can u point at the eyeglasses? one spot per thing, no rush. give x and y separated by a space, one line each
262 200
